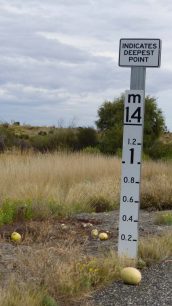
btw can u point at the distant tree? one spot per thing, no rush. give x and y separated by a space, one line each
86 136
110 124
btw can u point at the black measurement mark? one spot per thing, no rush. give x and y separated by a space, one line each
137 182
136 221
139 143
123 162
136 201
139 163
132 156
134 239
139 124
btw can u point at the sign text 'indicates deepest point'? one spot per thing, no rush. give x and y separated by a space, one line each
130 177
139 52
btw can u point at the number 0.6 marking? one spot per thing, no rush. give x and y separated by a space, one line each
125 199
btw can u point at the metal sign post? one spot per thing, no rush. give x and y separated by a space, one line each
137 54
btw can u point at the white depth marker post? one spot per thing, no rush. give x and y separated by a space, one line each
137 54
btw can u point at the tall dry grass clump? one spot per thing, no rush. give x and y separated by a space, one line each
154 249
20 295
61 184
156 185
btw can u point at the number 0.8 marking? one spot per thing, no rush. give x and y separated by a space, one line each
129 180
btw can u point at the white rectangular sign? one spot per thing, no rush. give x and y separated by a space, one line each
139 52
130 177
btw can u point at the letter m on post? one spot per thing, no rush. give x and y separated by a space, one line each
133 98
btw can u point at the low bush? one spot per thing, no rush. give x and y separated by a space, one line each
160 150
91 150
86 137
163 218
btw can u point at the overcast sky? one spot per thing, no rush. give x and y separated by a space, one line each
59 58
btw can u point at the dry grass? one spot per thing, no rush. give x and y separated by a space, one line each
21 295
60 184
156 248
65 273
156 185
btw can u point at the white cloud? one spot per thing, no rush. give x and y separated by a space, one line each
58 59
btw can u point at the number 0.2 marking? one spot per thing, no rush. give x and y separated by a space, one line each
128 237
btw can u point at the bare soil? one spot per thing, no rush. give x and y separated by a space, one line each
36 234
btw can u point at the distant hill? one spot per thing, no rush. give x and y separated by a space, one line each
50 138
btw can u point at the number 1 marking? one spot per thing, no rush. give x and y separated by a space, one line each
132 156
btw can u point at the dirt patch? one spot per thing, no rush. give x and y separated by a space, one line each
37 235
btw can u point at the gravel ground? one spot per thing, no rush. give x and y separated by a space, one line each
109 222
155 289
156 286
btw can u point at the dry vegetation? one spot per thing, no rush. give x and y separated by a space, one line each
36 186
61 274
62 184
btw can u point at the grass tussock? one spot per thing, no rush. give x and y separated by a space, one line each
154 249
35 186
20 294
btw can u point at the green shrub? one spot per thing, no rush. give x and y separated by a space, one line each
87 137
91 150
17 123
7 138
49 301
7 212
160 150
163 218
12 210
62 139
42 133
